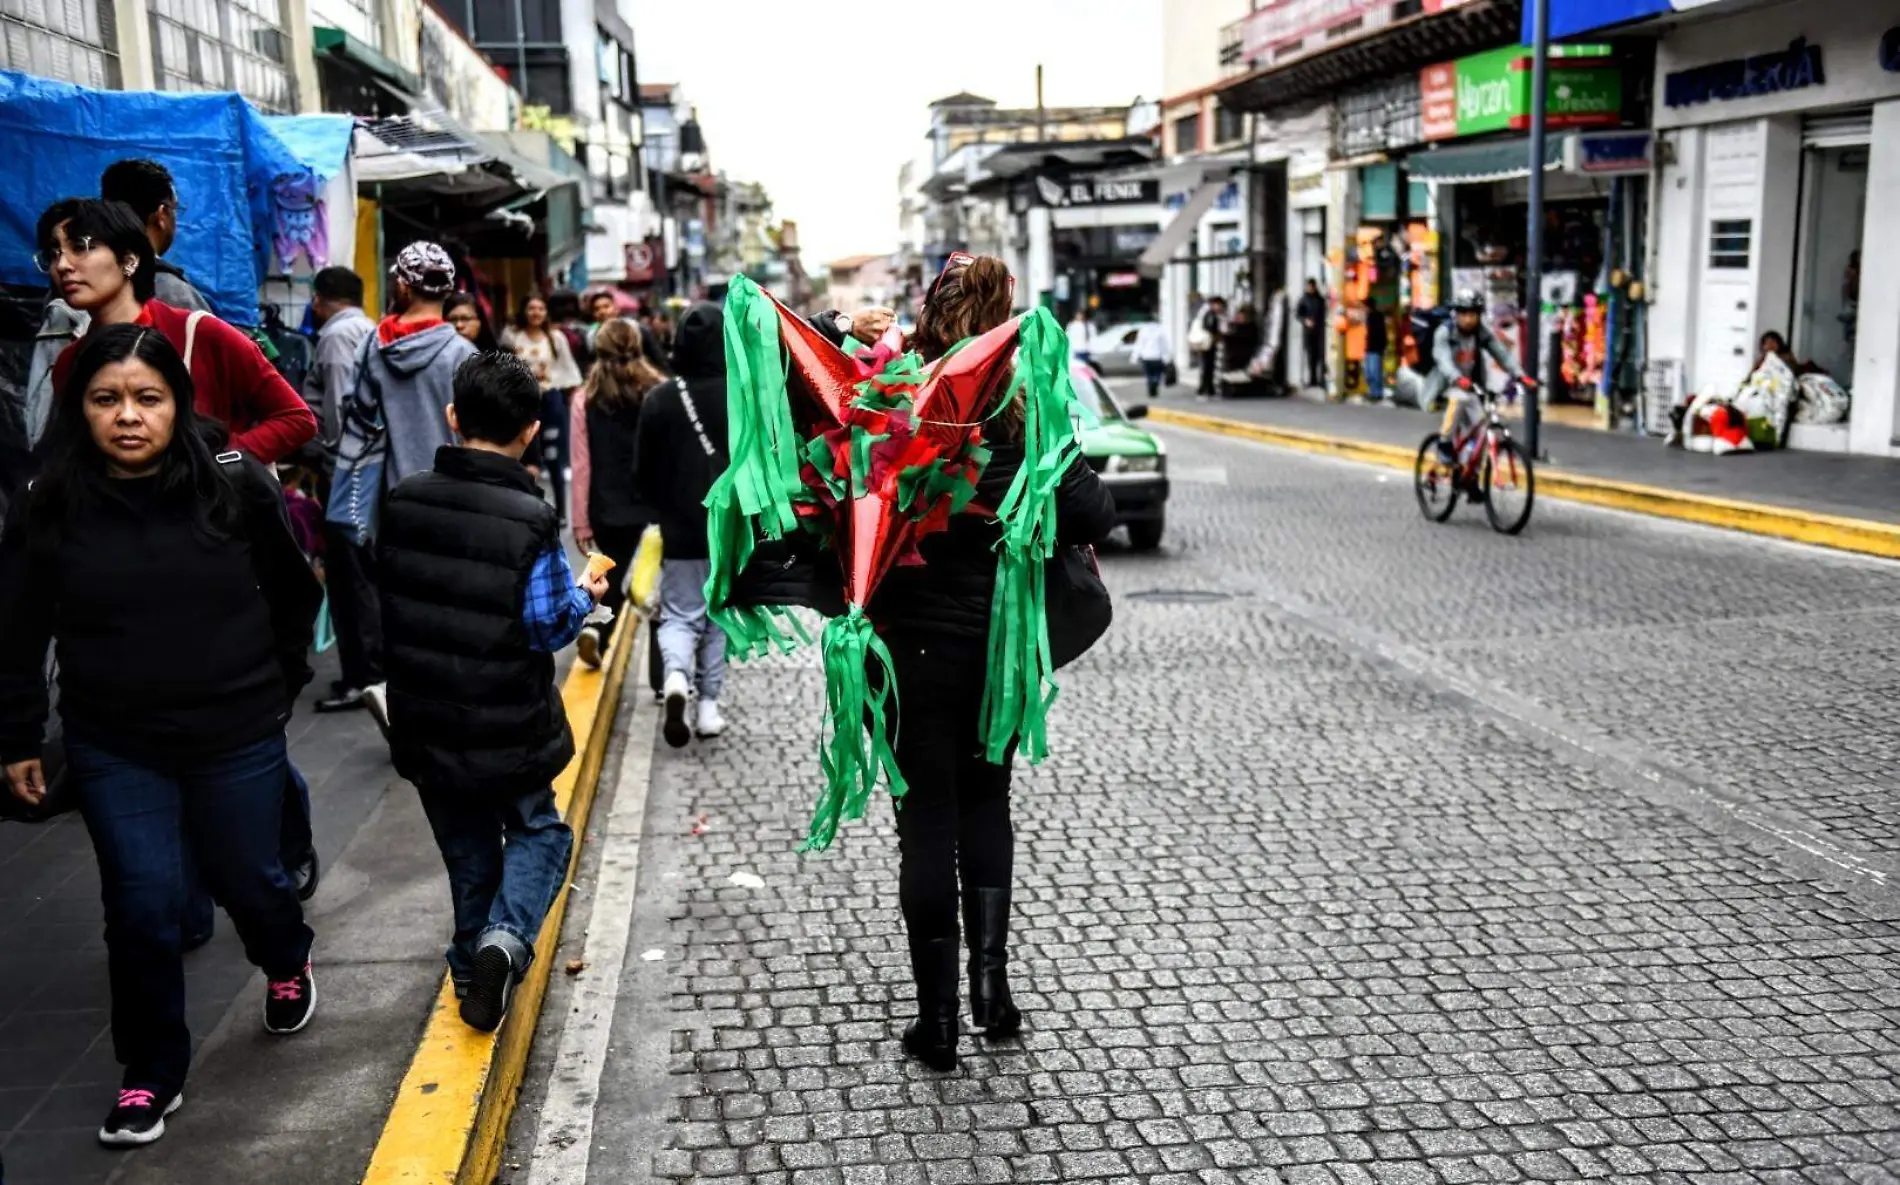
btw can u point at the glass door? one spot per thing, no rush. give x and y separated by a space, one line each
1827 272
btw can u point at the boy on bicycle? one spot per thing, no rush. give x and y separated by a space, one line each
1456 357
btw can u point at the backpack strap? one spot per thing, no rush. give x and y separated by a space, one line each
191 338
692 416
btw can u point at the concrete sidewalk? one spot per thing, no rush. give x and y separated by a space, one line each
304 1108
1866 488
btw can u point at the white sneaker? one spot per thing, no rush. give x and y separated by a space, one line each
376 699
587 646
675 691
711 723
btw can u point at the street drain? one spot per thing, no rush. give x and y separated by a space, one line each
1181 596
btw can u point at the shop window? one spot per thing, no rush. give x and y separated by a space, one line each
1729 240
1230 125
1379 192
74 42
1834 218
1187 134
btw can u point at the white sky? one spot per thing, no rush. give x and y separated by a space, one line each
772 79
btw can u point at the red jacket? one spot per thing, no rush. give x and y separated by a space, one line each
235 384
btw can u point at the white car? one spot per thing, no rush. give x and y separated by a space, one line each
1112 350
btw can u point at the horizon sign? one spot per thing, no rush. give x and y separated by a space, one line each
1490 92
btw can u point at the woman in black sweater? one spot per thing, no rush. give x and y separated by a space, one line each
182 609
954 823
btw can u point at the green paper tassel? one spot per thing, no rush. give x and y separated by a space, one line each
1020 686
858 746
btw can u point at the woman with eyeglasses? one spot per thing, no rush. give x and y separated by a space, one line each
464 312
183 609
101 261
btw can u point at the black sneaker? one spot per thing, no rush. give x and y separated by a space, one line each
288 1003
137 1119
349 699
490 988
587 646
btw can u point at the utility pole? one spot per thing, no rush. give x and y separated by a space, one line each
1534 238
1041 129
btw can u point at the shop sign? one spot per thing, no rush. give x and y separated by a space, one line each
1788 69
1122 280
1094 191
1283 31
1607 154
1490 92
642 260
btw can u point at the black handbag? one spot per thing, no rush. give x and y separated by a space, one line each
1077 603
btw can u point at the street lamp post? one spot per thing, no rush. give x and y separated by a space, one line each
1534 245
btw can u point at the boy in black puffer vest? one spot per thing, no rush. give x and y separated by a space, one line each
477 596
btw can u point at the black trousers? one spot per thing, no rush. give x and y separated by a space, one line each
1209 358
1315 351
620 543
355 612
953 825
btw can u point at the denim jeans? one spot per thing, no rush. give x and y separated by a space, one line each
144 821
506 861
295 846
1375 376
1156 372
689 641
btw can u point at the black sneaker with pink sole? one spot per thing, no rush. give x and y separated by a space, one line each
138 1118
288 1003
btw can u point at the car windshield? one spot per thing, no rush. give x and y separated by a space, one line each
1092 393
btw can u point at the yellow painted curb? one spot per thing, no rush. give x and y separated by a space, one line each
1863 536
450 1117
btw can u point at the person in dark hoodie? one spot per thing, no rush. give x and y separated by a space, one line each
681 451
395 421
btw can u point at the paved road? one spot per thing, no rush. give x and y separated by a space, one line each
1371 850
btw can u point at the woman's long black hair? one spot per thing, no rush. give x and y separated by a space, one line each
72 474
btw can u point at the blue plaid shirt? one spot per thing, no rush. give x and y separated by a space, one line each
555 607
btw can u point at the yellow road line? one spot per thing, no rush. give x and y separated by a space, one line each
1864 536
450 1117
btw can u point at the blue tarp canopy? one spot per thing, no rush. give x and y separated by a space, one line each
57 138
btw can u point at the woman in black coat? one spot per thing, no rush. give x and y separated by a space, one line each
182 609
954 831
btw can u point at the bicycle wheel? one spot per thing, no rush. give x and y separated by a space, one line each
1510 486
1434 483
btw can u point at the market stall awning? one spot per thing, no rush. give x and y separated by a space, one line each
1156 255
1492 160
338 44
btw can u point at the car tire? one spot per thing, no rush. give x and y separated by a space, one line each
1146 536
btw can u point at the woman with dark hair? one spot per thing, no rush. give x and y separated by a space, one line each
536 340
101 262
464 312
608 513
182 609
953 826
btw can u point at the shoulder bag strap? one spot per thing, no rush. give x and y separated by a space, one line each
191 335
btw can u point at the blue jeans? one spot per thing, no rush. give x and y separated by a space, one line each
1375 377
1156 373
506 860
145 820
295 846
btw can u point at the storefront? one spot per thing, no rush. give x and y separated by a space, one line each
1476 180
1777 127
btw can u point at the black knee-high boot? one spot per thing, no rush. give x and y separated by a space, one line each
932 1037
986 918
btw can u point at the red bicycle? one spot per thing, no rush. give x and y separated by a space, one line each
1490 468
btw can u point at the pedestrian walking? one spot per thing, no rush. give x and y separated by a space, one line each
1154 351
183 611
1375 352
955 839
147 187
1080 334
99 257
608 513
1211 324
681 452
535 340
392 425
103 262
477 597
1311 312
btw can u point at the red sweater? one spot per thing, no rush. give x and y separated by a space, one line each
235 384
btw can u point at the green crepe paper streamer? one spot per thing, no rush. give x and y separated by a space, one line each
1020 684
858 746
760 484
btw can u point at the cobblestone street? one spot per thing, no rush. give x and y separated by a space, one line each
1368 850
